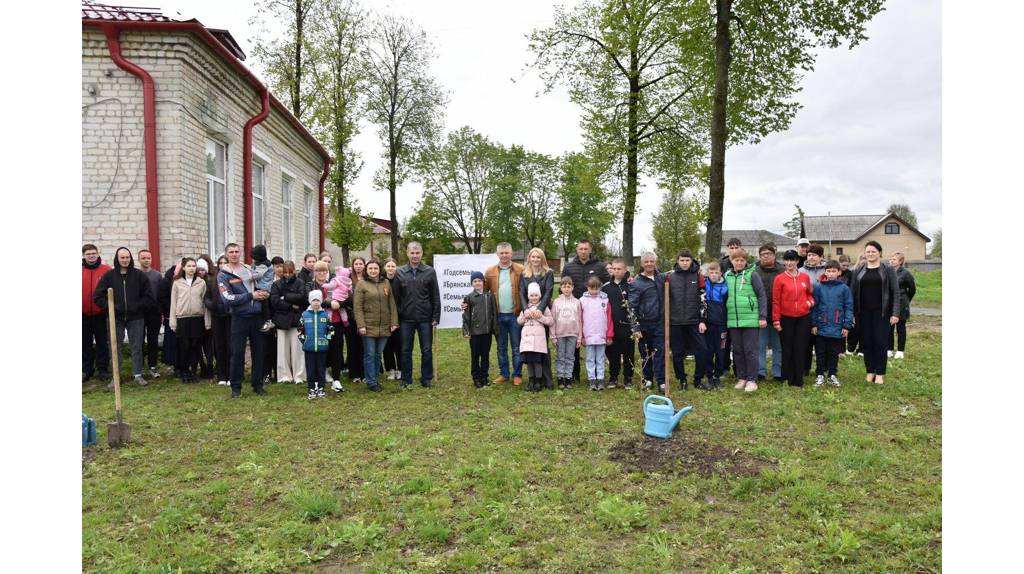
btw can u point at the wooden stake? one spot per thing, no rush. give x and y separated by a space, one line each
437 348
118 432
666 337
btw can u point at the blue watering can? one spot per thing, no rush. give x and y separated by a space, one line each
660 419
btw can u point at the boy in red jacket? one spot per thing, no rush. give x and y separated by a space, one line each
792 299
94 317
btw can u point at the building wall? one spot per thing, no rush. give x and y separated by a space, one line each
198 97
909 243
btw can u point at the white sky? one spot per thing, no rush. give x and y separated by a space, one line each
869 133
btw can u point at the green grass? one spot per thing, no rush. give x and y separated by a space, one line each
929 288
454 479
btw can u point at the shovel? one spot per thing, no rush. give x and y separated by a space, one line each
118 432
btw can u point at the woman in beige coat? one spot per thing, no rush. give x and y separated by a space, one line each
189 318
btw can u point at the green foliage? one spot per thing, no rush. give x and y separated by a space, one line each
903 211
794 227
677 225
315 504
929 288
839 543
361 536
619 515
936 244
288 59
351 229
582 208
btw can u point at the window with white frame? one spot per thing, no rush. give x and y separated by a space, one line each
309 219
259 204
216 195
286 217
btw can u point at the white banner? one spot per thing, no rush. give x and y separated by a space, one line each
453 273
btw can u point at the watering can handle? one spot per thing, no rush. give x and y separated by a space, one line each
654 397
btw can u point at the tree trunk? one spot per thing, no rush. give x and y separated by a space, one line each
392 166
632 164
719 131
339 187
297 88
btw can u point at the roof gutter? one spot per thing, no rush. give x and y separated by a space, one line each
149 113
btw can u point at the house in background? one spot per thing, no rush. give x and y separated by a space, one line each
184 149
840 234
379 247
752 239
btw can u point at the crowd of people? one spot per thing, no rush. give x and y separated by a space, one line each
314 325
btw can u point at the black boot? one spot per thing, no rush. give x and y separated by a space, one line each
548 383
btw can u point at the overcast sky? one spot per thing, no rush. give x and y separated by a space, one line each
869 133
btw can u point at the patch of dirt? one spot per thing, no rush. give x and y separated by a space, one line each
88 454
683 454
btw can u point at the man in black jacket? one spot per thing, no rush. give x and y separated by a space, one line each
686 318
419 310
768 268
580 269
621 351
132 296
646 300
152 315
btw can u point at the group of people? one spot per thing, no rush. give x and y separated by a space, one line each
729 312
298 324
301 323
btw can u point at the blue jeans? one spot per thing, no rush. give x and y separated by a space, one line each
409 331
769 336
509 331
373 347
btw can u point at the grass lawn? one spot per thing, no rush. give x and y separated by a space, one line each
929 288
455 479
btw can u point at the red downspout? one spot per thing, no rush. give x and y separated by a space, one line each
320 207
148 135
247 166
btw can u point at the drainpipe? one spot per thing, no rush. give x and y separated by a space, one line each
247 173
320 208
148 135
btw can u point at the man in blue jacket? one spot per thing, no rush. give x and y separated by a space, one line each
237 285
646 298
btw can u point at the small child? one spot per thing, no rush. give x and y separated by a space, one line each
479 324
533 344
341 290
314 329
745 315
567 331
598 330
831 320
716 337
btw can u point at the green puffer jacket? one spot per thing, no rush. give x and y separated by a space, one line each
746 304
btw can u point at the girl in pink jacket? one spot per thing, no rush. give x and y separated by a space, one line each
598 330
533 344
341 290
567 333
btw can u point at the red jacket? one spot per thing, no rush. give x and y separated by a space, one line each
90 277
791 296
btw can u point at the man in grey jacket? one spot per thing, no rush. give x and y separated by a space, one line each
419 311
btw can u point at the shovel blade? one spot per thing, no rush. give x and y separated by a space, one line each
118 434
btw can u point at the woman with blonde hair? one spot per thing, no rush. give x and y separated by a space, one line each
536 270
907 288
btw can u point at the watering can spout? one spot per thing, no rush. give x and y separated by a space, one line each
679 415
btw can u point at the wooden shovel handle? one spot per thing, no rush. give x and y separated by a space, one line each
666 338
116 368
435 348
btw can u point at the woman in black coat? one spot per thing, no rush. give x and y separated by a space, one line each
288 299
907 290
876 308
221 324
536 271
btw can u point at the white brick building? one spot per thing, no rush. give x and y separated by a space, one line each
203 98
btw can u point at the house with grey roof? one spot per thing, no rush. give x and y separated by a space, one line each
840 234
752 239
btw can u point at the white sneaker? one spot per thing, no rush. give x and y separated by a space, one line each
898 355
751 386
336 387
224 383
300 382
832 380
330 379
819 380
267 326
888 354
740 384
860 354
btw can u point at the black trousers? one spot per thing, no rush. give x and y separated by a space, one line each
811 346
335 353
270 353
684 339
901 336
576 365
354 350
827 350
189 349
170 345
480 357
874 330
853 339
316 369
207 359
242 329
795 331
222 346
95 331
393 352
620 354
153 322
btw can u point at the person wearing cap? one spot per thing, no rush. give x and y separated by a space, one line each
802 245
189 318
479 325
376 318
315 333
792 300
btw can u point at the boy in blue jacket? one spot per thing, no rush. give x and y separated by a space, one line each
314 331
831 320
716 337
